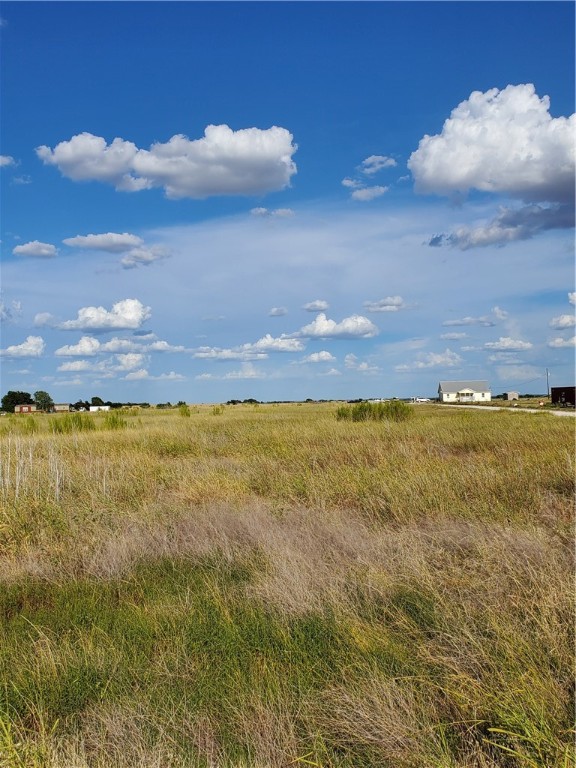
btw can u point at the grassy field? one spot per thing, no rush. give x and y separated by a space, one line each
271 586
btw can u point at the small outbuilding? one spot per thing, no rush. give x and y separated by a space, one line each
563 395
464 392
511 396
94 408
61 408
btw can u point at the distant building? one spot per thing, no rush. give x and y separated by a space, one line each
61 408
24 409
563 395
511 396
94 408
464 392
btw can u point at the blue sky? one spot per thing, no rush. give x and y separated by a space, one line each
207 201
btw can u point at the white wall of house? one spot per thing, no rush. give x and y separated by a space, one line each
466 395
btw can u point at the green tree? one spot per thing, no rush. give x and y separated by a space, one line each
97 401
11 399
43 401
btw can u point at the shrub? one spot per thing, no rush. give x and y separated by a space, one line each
72 422
184 410
114 420
392 410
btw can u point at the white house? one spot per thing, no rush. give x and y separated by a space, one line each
464 392
95 408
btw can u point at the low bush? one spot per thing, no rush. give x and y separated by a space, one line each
391 410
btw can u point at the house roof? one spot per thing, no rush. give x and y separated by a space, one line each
459 386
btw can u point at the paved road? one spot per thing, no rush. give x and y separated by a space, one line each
565 412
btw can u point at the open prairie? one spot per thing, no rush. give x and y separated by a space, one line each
268 586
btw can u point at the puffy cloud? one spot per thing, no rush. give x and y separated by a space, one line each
269 344
6 161
376 163
319 305
138 375
354 327
319 357
500 141
389 304
508 226
223 162
36 249
572 297
32 347
507 343
559 343
120 345
257 350
130 360
562 322
368 193
112 242
87 345
128 313
163 346
446 359
278 312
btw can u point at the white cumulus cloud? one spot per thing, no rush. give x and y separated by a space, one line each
6 161
249 161
353 327
87 346
36 249
572 297
269 344
562 322
502 141
507 343
32 347
319 357
560 343
128 313
278 312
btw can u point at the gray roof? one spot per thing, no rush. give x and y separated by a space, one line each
458 386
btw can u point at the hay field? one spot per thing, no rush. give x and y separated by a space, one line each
269 586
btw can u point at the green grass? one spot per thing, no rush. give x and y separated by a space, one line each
279 587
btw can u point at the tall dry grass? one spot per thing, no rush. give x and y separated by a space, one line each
271 586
